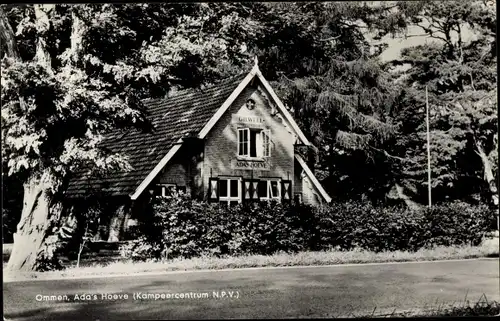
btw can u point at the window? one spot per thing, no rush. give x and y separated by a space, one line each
254 142
254 136
274 189
262 189
230 190
243 135
270 189
165 190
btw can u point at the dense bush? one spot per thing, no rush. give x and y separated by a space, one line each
181 227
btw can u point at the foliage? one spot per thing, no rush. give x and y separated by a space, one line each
12 198
93 81
343 99
466 308
460 75
72 74
368 118
184 228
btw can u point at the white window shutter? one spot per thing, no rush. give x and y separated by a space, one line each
266 143
258 145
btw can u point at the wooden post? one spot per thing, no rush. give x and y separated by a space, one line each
428 149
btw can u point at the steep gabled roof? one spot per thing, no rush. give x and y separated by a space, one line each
181 115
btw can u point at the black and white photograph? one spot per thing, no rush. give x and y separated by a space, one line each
249 160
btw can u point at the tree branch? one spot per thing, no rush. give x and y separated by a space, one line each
440 38
472 82
429 30
440 25
459 31
392 156
422 35
43 25
331 38
354 25
316 81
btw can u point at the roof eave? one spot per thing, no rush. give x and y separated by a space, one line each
225 106
313 179
283 109
145 183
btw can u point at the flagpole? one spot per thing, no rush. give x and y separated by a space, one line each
429 187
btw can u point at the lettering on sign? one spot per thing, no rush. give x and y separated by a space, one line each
251 165
248 119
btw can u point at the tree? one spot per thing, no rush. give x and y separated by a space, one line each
368 121
73 73
340 94
461 78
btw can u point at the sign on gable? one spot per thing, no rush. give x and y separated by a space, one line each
251 165
253 121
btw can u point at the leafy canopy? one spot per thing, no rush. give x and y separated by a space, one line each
80 71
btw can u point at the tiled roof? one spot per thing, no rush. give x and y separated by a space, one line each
181 115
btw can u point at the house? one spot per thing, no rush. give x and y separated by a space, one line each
231 142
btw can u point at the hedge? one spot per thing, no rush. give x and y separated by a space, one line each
184 228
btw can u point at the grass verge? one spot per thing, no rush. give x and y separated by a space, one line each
482 307
489 248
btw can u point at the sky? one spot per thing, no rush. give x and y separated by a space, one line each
396 44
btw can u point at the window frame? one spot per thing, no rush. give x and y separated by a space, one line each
164 187
269 195
228 199
243 142
262 147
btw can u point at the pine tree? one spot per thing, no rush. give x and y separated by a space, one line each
342 97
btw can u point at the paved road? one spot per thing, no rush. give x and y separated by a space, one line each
261 293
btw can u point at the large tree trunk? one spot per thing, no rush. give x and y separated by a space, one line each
488 173
33 228
32 240
7 37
